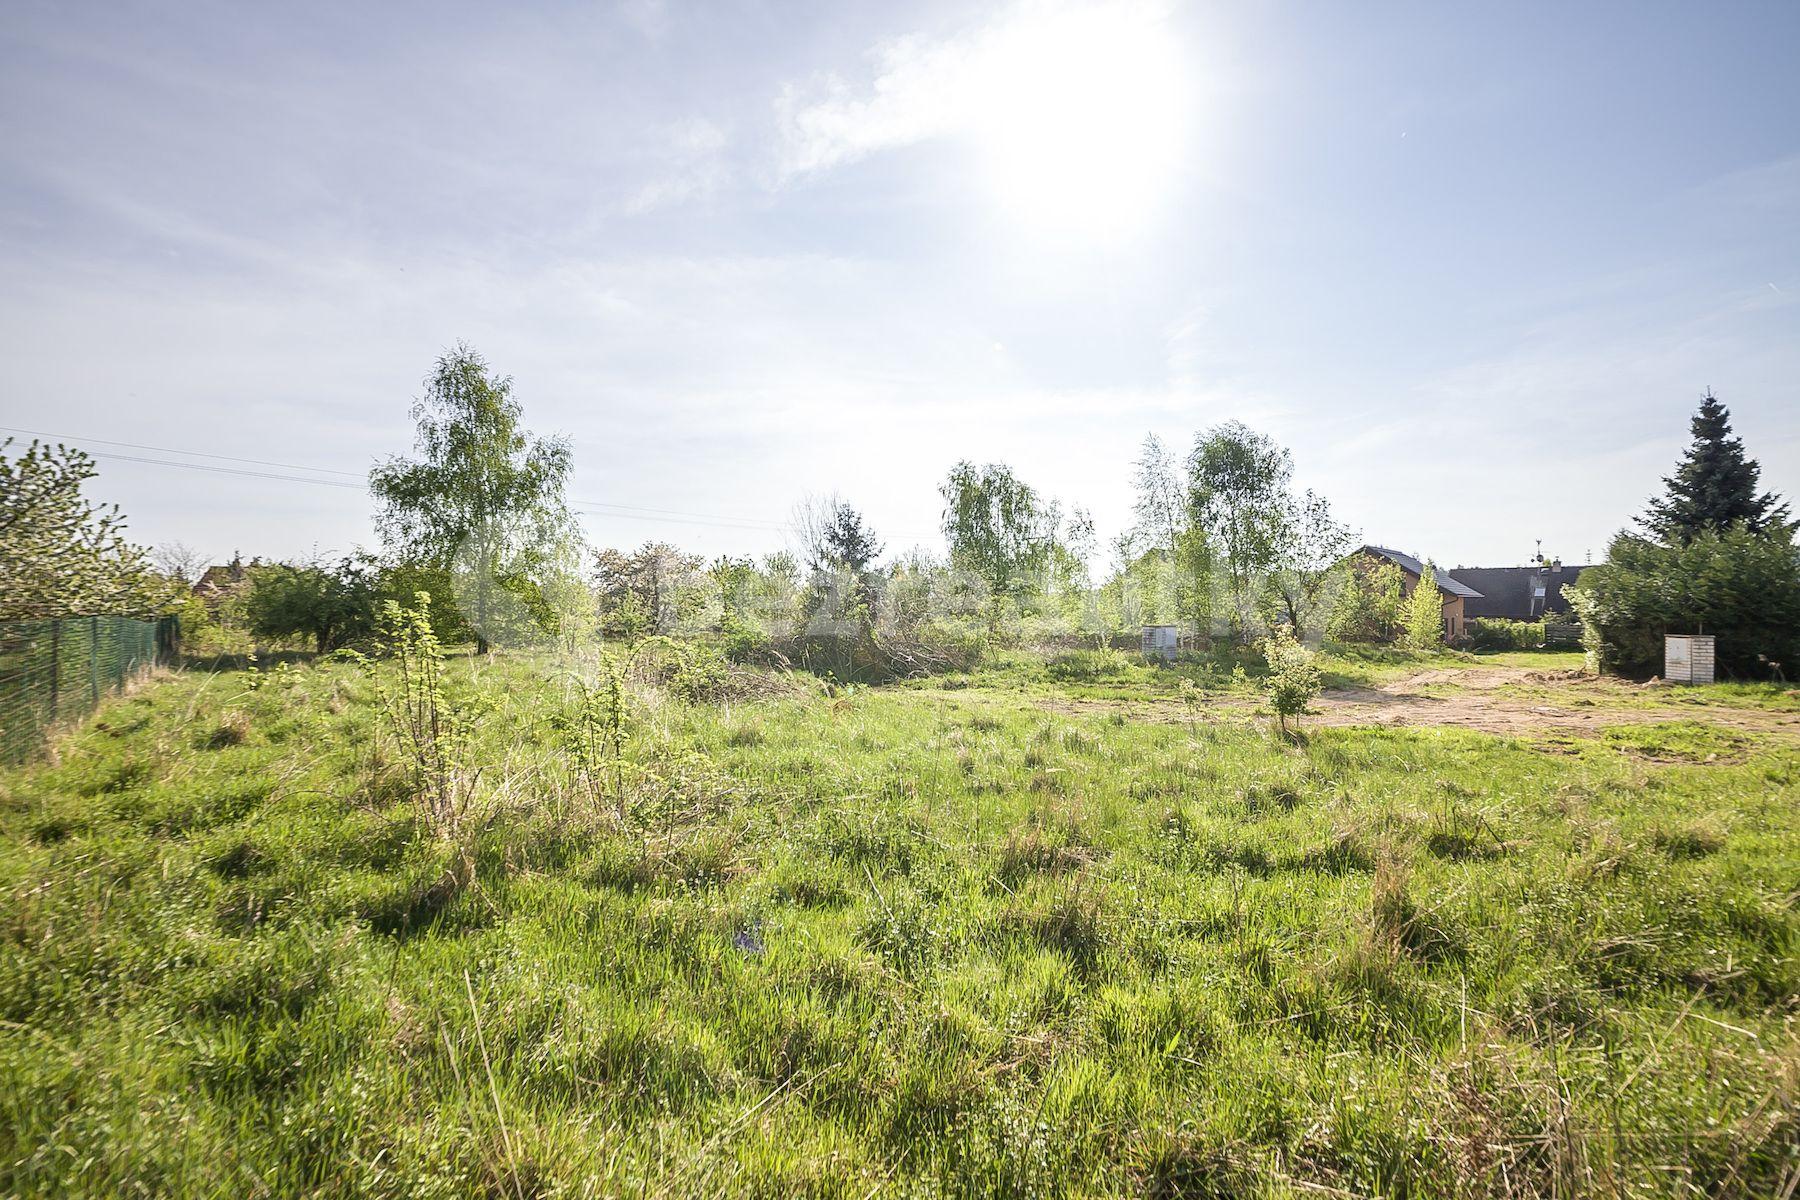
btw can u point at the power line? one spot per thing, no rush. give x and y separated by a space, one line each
227 470
191 453
607 507
576 505
589 507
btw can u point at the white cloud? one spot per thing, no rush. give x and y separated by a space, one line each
914 93
919 88
692 162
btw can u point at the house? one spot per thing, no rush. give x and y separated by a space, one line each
1456 593
222 580
1517 593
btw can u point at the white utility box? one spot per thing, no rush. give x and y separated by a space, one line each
1161 641
1688 657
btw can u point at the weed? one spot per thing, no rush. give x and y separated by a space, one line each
230 732
1189 1168
1460 834
900 940
593 731
903 931
1694 840
1397 922
430 728
1071 924
1042 846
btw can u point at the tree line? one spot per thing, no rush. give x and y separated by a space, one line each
1221 544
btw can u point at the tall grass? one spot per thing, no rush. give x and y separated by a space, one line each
909 942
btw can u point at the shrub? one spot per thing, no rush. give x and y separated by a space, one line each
1495 633
1369 608
742 642
1743 587
1293 675
700 675
1086 666
1425 612
330 605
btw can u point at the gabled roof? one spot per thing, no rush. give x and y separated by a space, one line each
1414 567
220 576
1507 591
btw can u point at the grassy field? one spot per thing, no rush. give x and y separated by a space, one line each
953 940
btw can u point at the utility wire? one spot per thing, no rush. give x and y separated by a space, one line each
622 509
228 470
190 453
577 505
588 507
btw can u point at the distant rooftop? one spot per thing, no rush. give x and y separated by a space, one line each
1510 591
1413 566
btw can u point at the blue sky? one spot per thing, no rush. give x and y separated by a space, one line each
1474 265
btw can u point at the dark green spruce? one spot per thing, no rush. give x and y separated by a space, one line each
1715 487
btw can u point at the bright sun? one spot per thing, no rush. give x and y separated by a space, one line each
1080 119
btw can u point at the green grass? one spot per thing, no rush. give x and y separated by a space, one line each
902 942
1622 694
1225 670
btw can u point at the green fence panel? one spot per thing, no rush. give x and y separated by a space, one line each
56 670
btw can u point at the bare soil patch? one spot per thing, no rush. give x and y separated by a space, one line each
1560 704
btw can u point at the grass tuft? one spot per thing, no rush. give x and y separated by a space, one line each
1047 934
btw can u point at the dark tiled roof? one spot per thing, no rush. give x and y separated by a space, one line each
1508 591
1413 566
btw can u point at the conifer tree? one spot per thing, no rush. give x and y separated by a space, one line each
1714 488
849 540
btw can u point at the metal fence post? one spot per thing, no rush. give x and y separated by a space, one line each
31 704
55 666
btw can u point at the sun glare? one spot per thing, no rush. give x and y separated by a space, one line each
1081 121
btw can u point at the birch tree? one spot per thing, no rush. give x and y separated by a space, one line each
484 497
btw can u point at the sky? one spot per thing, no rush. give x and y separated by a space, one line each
1474 265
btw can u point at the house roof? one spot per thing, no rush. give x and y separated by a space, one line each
1413 566
1507 591
220 576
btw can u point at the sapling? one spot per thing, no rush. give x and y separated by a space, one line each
593 732
432 730
1190 700
1293 675
1425 612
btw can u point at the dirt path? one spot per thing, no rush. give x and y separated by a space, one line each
1552 701
1505 700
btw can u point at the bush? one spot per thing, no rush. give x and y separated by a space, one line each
332 605
402 582
1497 633
1370 607
1293 675
1425 612
1740 586
743 642
1086 666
